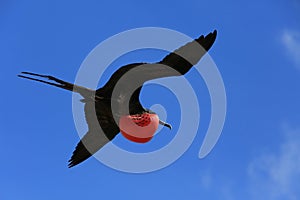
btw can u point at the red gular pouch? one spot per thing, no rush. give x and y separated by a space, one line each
139 128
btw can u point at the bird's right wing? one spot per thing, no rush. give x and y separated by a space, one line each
101 129
90 143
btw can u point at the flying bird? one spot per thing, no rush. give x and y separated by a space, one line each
116 107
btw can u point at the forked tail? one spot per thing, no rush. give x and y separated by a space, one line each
85 92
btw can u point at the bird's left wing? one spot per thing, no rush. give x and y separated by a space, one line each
131 77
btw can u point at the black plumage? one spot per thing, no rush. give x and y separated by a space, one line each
120 95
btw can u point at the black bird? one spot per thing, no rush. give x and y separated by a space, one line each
120 95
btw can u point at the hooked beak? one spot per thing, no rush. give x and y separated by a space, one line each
165 124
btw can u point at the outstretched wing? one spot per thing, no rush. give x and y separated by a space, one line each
190 54
130 78
88 145
101 129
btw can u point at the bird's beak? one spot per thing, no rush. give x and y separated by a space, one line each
165 124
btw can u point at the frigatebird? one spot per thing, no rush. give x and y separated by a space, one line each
119 97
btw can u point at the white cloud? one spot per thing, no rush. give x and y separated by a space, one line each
206 180
273 174
276 175
291 42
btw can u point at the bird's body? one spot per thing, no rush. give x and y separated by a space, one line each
117 106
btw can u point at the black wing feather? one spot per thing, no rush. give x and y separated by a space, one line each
181 60
88 145
101 129
102 126
131 77
190 54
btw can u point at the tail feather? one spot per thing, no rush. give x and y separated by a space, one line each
85 92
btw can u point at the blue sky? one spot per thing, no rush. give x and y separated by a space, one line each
257 52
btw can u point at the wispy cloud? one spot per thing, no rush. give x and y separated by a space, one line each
276 175
206 180
272 174
291 42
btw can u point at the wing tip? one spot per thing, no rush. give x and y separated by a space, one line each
215 32
208 40
212 35
73 162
